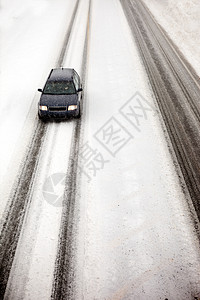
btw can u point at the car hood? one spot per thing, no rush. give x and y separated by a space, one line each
58 100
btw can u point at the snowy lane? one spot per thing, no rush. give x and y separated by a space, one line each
65 275
28 144
32 273
23 212
177 90
30 47
136 235
32 270
17 204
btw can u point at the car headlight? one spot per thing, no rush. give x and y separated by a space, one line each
72 107
42 107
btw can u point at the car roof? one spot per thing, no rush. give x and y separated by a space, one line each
61 74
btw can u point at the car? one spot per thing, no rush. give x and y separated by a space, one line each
61 96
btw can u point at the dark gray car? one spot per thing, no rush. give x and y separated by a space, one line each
61 96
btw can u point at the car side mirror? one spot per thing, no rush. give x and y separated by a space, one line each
40 90
79 90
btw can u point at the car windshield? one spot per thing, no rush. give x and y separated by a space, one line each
59 88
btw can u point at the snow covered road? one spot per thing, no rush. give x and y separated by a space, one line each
98 211
177 89
22 195
134 244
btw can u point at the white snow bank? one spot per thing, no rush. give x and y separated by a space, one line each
181 20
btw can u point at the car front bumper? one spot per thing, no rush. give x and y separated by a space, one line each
58 114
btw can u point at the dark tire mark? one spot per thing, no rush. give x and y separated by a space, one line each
65 273
18 203
14 215
67 36
176 90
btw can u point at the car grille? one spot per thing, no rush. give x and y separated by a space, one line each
57 108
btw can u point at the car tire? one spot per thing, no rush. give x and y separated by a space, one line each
41 118
79 112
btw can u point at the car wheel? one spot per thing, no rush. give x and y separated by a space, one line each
79 113
41 118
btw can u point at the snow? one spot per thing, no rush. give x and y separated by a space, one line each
32 269
134 245
181 20
135 238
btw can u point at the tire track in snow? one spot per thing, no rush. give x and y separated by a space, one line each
15 213
67 37
177 92
64 274
19 200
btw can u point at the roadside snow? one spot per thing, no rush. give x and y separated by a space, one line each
181 20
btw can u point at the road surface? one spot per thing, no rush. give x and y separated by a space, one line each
106 207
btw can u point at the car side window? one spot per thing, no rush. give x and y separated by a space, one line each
76 81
